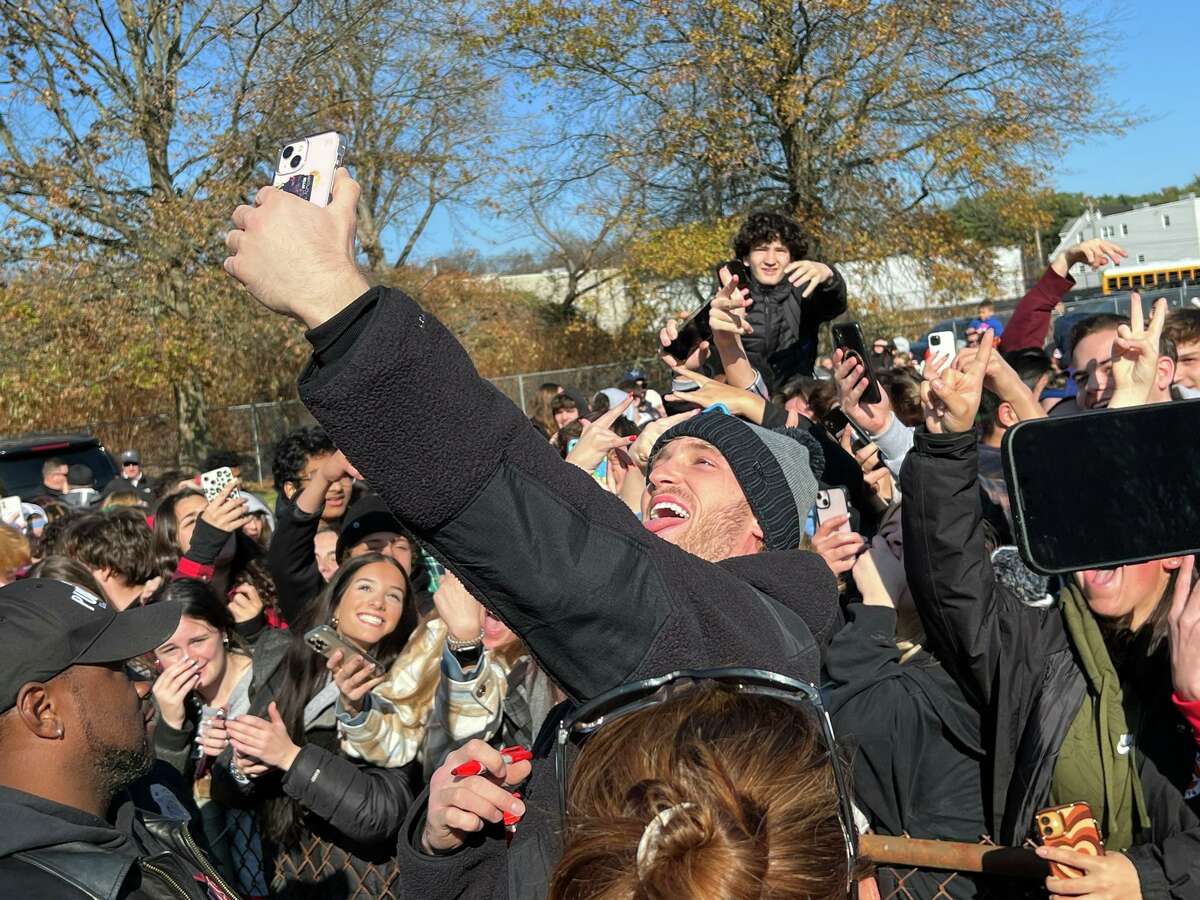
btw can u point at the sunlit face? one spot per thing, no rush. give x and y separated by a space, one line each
390 544
1091 369
495 633
57 479
131 470
187 512
767 262
1187 369
565 416
325 545
1127 592
197 640
693 501
371 604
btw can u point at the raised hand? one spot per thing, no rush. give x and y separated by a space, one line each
295 257
461 612
727 312
950 395
696 356
739 401
839 549
1096 253
355 678
598 438
805 271
1108 877
1135 354
244 602
850 379
171 689
460 806
226 513
264 740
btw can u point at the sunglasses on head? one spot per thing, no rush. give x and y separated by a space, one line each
650 692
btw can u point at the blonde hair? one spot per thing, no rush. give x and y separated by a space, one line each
752 796
14 552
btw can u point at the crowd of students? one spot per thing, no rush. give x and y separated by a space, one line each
609 650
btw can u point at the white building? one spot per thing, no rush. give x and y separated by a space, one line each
1165 232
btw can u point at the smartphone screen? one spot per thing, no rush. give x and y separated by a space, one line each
1105 489
695 328
848 336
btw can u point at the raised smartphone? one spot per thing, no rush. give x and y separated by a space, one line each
324 640
849 337
214 481
305 166
833 502
1103 489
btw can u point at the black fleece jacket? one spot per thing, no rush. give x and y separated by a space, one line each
597 598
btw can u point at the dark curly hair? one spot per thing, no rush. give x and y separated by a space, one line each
220 458
294 450
762 227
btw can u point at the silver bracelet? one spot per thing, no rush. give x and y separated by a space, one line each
457 646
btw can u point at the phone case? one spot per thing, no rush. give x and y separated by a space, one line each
324 640
1072 826
305 166
848 336
214 481
946 345
11 513
832 503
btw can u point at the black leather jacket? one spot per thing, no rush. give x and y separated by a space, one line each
141 857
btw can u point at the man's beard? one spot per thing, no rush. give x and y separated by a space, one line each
713 536
115 768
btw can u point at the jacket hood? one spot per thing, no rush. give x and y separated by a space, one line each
31 823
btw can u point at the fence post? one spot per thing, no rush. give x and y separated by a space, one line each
254 432
521 392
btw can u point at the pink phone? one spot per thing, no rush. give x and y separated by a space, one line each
831 503
306 166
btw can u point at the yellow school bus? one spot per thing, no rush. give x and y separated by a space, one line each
1144 275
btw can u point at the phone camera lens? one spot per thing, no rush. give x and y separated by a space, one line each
1047 831
287 151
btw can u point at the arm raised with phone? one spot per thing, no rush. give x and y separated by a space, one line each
592 592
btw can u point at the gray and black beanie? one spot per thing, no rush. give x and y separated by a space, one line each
777 470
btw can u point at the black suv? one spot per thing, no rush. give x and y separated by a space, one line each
21 460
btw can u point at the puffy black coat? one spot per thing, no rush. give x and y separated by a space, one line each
1017 667
787 325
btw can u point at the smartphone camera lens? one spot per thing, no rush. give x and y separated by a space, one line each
287 151
1047 831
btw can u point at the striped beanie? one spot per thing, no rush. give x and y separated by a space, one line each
776 469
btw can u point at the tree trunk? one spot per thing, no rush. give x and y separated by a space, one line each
191 416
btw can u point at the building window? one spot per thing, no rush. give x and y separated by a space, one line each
1141 257
1124 230
1166 221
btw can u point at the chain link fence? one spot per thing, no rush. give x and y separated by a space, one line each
252 429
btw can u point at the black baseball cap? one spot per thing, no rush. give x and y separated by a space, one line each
368 516
49 626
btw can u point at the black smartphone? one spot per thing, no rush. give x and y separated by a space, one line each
695 328
1105 489
836 421
849 337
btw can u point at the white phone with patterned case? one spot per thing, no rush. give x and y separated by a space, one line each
214 481
306 166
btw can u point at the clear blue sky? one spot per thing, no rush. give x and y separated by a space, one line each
1155 73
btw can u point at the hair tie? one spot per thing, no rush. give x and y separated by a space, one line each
648 845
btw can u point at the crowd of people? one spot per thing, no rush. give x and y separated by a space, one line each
624 647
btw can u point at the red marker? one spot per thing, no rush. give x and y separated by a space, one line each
510 822
474 767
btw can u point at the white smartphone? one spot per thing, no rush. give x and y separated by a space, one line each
306 166
214 481
324 640
941 343
830 503
11 512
